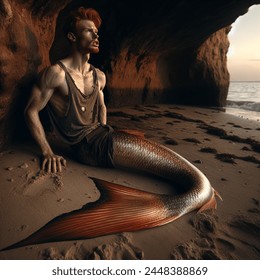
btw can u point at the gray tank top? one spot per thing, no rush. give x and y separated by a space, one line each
82 113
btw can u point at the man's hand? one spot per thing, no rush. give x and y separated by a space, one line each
53 163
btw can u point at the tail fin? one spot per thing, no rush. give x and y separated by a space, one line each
118 209
212 203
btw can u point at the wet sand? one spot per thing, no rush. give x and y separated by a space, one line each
226 148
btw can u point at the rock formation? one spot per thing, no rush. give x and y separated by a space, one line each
151 51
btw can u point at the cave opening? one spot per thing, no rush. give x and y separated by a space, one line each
244 65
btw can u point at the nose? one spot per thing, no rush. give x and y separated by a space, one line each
96 35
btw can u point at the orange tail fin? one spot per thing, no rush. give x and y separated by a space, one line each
212 203
119 209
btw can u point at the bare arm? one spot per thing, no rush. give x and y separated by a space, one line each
102 106
41 94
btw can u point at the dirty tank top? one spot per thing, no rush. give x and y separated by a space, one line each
82 113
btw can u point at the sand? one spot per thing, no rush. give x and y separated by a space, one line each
225 147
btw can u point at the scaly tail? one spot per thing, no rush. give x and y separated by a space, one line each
142 154
120 208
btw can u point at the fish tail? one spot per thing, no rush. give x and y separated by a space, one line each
123 209
119 209
142 154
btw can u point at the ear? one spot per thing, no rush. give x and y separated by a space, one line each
71 36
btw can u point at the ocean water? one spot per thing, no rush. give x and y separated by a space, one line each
244 100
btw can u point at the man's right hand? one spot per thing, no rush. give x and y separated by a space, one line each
53 163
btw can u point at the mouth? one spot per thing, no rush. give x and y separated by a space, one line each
95 44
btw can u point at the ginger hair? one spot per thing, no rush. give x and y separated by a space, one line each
81 14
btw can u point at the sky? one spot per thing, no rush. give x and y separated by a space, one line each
244 51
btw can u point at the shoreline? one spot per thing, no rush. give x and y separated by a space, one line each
245 114
222 146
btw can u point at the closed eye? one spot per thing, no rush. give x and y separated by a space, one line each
91 30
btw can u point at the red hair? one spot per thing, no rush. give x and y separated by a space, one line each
81 14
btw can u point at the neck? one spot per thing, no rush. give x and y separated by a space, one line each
79 61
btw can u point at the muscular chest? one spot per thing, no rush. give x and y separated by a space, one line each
84 83
81 84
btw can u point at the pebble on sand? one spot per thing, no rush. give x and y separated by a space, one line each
24 165
10 168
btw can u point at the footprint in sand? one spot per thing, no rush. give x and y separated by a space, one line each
74 252
40 184
246 226
205 223
210 244
236 238
223 244
121 249
193 251
244 231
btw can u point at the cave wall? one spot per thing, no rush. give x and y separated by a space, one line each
27 32
205 77
151 51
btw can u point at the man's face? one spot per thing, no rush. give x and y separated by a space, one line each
87 36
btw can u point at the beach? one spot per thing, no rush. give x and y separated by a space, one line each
223 146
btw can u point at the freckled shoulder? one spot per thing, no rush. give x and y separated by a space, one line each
101 78
52 76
